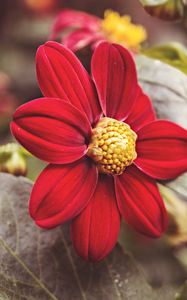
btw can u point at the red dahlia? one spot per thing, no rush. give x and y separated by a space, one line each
104 145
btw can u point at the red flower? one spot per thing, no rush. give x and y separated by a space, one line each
86 29
86 130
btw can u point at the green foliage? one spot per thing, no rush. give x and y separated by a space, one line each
173 54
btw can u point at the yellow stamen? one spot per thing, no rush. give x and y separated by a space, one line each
119 29
112 146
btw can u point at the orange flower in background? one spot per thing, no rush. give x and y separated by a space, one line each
78 29
40 5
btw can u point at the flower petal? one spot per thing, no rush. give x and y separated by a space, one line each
60 74
61 192
80 38
140 203
142 112
94 232
51 129
114 73
162 149
76 19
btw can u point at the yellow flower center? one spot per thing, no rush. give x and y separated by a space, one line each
119 29
112 146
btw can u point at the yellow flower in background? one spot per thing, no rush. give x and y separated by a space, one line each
78 29
120 29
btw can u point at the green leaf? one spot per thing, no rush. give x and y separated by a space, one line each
173 54
42 265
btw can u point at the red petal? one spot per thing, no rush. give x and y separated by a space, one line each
51 129
81 38
60 74
162 150
140 203
142 112
76 19
115 78
61 192
95 231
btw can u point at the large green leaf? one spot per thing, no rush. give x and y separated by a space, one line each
173 54
42 265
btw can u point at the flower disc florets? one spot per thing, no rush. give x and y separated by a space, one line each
112 146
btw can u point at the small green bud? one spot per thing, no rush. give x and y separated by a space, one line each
177 211
170 10
13 159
